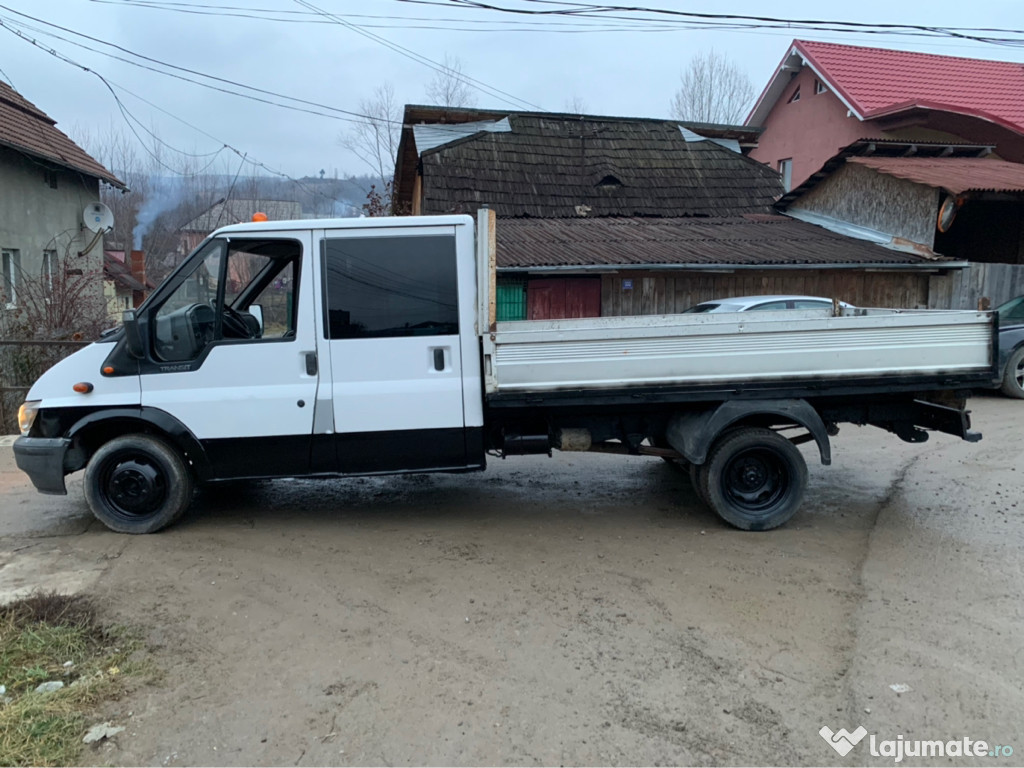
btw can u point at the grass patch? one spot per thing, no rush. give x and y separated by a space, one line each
39 634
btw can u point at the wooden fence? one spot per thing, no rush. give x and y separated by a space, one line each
963 288
22 361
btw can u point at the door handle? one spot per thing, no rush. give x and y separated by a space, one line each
311 367
438 359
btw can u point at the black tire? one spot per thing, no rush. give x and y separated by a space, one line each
1013 376
754 479
137 484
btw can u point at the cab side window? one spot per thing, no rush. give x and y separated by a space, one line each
239 291
379 287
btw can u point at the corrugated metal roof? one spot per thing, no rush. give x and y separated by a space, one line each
437 134
874 82
954 174
878 81
28 129
771 241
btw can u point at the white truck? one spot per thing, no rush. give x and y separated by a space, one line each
371 346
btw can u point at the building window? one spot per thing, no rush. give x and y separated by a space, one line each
795 96
50 178
48 270
819 87
786 171
11 275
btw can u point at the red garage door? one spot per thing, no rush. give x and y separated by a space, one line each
554 298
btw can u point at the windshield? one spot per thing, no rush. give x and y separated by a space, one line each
700 308
1011 312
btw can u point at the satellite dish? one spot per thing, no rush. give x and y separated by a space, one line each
97 217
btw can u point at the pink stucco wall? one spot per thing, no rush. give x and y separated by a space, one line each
810 130
816 127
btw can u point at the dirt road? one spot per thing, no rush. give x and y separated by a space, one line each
576 610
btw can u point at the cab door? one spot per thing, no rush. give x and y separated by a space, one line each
232 353
392 324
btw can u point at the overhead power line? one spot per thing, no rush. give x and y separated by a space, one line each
129 118
337 113
588 10
508 98
445 24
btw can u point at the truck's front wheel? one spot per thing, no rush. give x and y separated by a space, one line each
137 484
754 479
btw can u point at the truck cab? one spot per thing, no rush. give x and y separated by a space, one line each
278 349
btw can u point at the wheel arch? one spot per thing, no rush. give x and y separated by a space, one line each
692 433
91 431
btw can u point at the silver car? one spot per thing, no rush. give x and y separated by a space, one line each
764 303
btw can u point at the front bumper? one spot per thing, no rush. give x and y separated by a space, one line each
42 459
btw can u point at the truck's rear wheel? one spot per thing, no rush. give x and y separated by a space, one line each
137 484
754 479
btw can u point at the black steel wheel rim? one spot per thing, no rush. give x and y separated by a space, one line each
756 480
134 485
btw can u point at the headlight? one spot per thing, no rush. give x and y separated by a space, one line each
27 416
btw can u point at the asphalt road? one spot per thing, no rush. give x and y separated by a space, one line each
576 610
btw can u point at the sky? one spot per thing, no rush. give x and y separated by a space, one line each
626 68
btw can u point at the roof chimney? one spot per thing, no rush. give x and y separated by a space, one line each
137 264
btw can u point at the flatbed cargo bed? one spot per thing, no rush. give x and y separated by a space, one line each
791 351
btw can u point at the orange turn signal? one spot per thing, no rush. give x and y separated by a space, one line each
83 387
108 370
259 217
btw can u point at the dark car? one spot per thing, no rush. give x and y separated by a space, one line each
1011 347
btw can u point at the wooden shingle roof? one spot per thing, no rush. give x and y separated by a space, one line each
566 166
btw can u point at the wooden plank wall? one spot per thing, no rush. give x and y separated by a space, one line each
669 292
962 289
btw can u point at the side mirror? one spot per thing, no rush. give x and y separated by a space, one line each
256 311
132 334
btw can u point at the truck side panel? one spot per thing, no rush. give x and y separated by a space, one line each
736 349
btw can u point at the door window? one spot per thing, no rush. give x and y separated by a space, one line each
379 287
236 291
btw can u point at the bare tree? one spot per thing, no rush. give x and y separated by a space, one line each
374 139
712 89
576 105
449 87
119 152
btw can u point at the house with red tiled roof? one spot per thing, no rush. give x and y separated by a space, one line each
917 152
824 96
46 183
